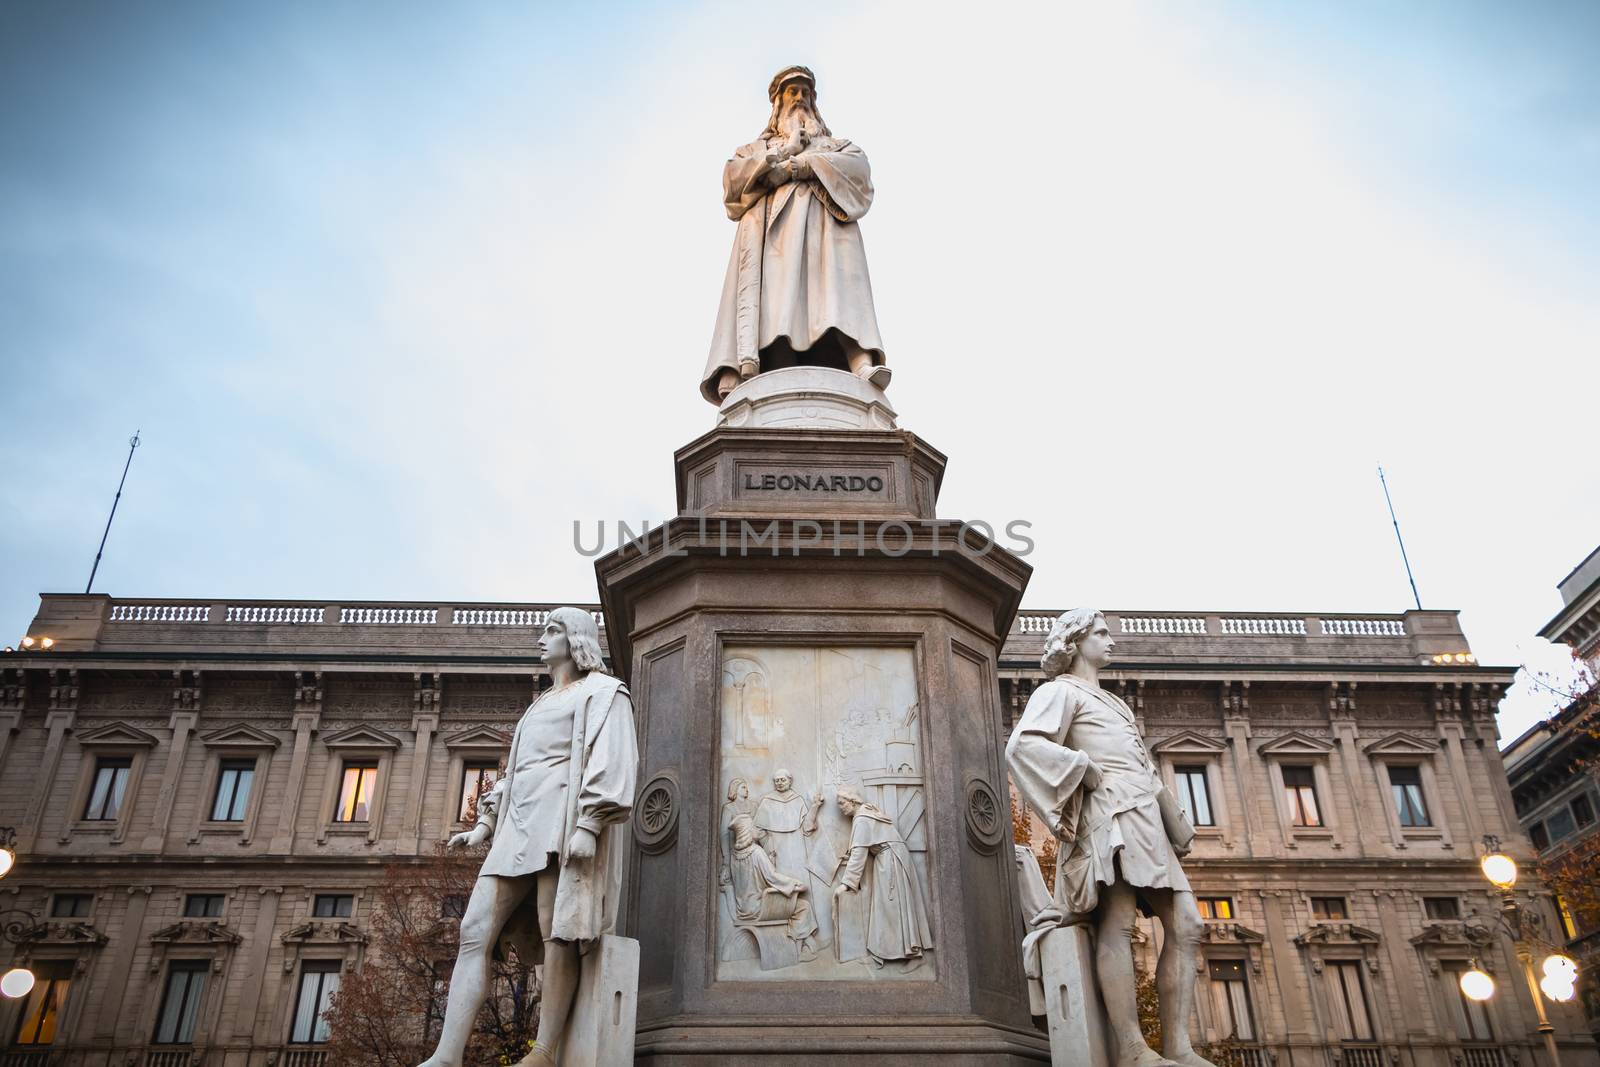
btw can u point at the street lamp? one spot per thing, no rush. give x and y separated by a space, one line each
1525 927
8 849
18 981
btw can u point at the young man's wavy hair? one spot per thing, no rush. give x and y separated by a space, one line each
583 637
1062 644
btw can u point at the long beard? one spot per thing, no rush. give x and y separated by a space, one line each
799 119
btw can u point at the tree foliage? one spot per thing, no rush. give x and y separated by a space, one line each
388 1013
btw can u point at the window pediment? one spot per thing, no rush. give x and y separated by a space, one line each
1189 742
1296 743
325 933
1338 934
57 934
1398 744
118 733
480 737
361 737
1452 935
196 933
1226 933
239 735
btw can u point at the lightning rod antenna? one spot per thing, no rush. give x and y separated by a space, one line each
1385 483
133 443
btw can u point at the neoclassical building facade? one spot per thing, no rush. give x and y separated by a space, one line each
204 796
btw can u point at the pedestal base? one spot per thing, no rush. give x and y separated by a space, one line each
602 1028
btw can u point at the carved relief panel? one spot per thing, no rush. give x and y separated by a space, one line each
822 843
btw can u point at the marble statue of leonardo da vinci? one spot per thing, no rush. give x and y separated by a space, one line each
797 290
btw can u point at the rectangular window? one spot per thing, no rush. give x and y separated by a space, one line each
1441 907
71 905
110 784
1230 996
1539 836
1329 909
1300 790
476 780
1569 926
1582 810
355 793
1348 999
48 998
202 906
319 981
233 790
1406 784
180 1003
333 905
1193 795
1470 1016
1560 824
1215 907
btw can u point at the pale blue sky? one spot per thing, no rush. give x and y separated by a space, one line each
397 292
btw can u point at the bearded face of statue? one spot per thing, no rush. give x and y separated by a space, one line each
794 112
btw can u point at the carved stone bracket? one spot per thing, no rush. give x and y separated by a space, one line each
655 814
986 816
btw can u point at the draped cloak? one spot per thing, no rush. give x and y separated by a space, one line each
879 865
798 267
595 791
1127 824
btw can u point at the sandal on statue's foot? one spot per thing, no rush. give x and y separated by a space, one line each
748 369
879 376
539 1056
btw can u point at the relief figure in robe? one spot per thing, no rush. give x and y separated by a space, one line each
797 291
878 867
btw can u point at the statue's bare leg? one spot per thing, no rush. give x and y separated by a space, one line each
1113 966
1181 929
561 969
493 900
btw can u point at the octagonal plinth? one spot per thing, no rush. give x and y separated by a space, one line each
857 660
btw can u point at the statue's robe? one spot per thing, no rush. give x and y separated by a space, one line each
781 818
799 267
573 763
878 866
1127 824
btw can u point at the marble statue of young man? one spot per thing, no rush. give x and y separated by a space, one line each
797 290
1077 758
554 871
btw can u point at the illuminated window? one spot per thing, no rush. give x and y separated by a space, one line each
1406 785
1193 795
333 905
1230 997
319 981
233 790
1329 909
45 1002
180 1003
355 792
110 785
1568 925
1215 907
1300 790
476 780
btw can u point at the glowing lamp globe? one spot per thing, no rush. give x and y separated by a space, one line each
1558 987
8 860
1475 985
1564 966
1500 869
17 982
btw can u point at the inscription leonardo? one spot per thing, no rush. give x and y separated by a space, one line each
824 483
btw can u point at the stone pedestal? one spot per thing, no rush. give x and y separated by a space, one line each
1077 1019
600 1033
820 621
